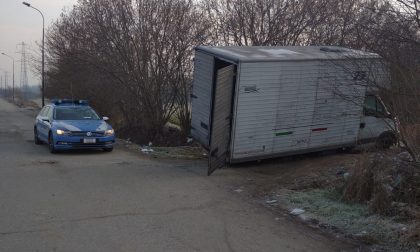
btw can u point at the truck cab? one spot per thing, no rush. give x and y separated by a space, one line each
377 124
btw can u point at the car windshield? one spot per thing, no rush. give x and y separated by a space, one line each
75 113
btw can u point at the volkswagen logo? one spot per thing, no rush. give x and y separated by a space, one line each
89 133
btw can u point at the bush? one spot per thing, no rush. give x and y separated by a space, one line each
359 186
382 180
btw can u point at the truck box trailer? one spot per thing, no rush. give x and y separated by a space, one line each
252 103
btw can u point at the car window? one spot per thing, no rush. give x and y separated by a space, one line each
49 112
75 113
47 109
42 112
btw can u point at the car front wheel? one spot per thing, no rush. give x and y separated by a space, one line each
36 138
108 149
51 144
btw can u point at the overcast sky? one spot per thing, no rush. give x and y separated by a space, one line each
18 24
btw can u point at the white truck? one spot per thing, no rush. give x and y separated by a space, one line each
252 103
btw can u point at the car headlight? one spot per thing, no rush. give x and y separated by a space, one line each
109 132
62 132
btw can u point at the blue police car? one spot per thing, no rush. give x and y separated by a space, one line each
70 124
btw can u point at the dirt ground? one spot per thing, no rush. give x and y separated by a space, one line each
300 172
270 184
261 182
276 184
314 180
129 201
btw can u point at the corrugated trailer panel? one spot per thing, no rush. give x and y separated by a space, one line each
293 105
201 97
271 108
336 112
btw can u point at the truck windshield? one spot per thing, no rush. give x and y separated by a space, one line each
75 113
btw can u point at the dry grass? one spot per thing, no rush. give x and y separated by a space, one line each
411 135
359 187
381 201
382 179
389 186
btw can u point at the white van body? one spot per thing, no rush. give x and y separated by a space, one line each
251 103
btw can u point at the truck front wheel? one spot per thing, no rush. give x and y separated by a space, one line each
386 140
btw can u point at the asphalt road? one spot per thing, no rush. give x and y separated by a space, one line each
119 201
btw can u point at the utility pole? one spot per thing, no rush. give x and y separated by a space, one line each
23 68
13 87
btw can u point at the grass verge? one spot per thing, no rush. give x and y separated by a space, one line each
354 220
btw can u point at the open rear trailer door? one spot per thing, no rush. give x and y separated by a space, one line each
221 118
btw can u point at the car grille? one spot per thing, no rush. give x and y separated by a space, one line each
84 133
83 145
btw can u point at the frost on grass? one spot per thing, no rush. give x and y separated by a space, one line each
353 219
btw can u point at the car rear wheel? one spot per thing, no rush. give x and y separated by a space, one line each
51 144
36 138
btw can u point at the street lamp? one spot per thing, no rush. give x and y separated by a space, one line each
1 83
43 63
13 87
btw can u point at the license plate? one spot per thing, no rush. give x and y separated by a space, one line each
89 140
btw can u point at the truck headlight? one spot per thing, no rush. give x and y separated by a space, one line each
109 132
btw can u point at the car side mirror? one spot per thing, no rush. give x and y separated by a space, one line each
105 118
45 119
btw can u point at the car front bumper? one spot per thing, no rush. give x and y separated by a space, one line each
77 142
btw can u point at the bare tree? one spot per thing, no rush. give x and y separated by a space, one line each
410 9
137 54
133 58
270 22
